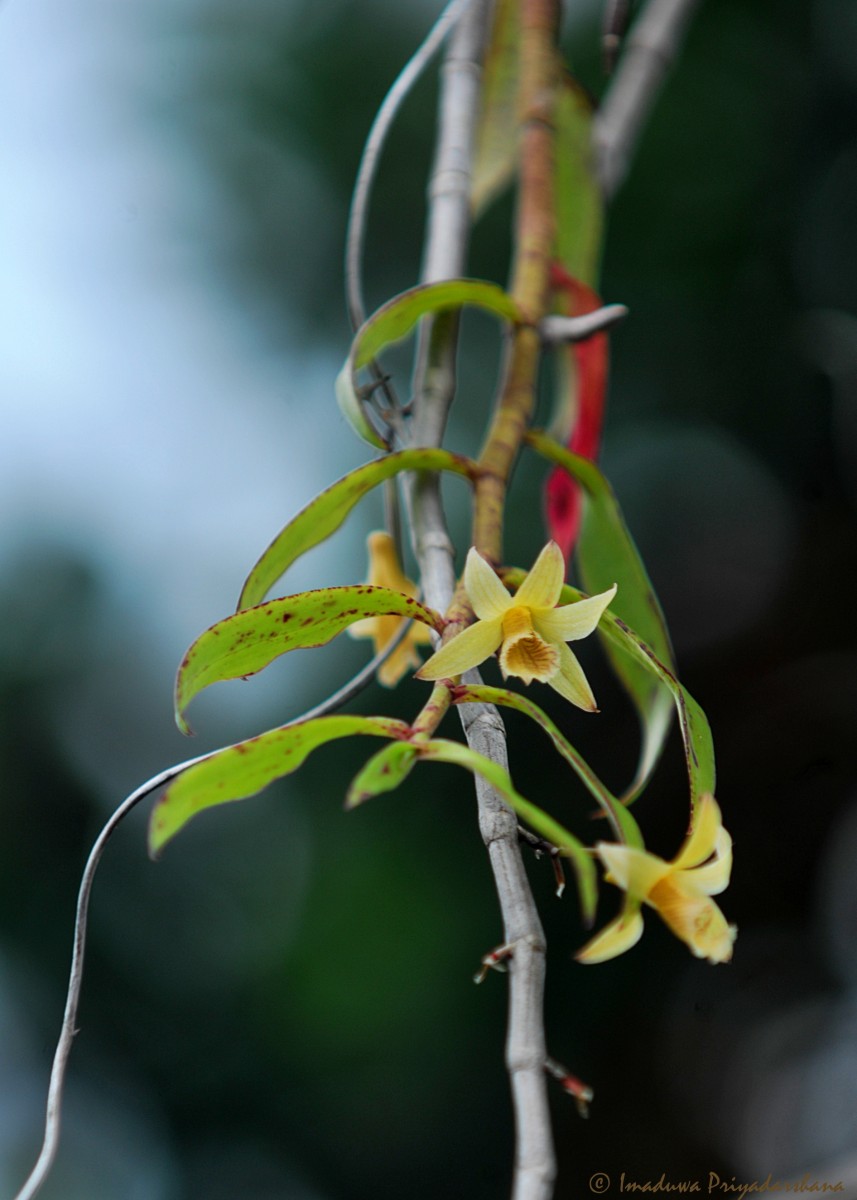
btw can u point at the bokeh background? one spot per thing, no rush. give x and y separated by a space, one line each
282 1006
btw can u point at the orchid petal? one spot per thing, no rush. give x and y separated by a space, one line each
614 939
405 657
694 918
572 621
713 877
384 568
385 571
703 837
570 681
487 596
635 871
467 649
543 584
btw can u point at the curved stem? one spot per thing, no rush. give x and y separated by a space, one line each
386 114
68 1029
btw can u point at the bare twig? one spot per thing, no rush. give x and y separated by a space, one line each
556 329
434 387
55 1088
651 47
356 232
616 13
53 1114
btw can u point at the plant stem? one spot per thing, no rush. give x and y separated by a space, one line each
434 386
534 243
652 45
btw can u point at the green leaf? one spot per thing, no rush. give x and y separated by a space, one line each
496 152
579 204
244 769
624 825
352 406
397 318
382 773
324 515
606 554
693 723
441 750
249 640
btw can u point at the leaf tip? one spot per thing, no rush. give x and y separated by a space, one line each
183 725
158 835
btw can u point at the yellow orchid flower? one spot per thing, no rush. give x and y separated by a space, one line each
528 629
385 571
679 890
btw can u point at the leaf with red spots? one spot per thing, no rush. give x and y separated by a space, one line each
382 773
249 640
324 515
245 769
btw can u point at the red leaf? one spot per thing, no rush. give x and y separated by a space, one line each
562 495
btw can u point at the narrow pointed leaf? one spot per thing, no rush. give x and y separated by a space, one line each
398 317
249 640
382 773
606 554
496 152
324 515
245 769
579 202
441 750
693 723
624 825
353 407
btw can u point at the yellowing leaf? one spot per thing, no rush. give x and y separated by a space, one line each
239 771
249 640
